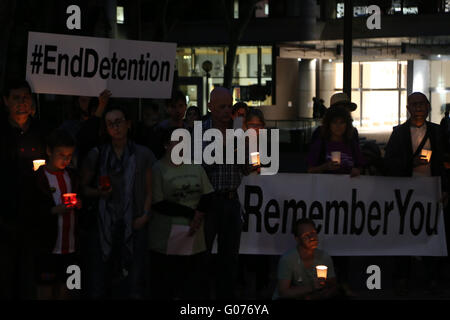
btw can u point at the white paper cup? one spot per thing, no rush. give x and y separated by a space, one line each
37 164
321 272
255 158
336 156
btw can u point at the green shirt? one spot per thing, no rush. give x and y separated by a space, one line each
185 185
291 268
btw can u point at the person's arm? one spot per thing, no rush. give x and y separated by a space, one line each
314 163
88 173
287 291
103 99
326 290
141 221
393 163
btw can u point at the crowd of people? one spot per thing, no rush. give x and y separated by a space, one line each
132 199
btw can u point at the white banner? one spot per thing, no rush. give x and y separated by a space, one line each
363 216
74 65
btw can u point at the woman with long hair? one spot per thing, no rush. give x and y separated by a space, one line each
337 151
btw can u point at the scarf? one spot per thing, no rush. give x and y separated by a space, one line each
108 163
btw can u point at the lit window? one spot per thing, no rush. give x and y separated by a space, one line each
340 10
411 10
359 11
120 18
236 9
447 5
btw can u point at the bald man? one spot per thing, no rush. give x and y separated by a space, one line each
224 219
403 158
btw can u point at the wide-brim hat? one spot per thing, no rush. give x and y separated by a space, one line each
341 99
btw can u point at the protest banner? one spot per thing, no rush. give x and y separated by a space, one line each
85 66
362 216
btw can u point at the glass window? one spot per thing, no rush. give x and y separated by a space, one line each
403 111
380 108
340 75
380 74
356 115
403 74
184 62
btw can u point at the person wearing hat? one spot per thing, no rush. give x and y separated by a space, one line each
339 99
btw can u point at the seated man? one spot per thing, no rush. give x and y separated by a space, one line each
297 277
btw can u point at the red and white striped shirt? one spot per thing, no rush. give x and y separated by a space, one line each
65 241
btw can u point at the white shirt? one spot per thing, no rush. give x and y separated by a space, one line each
65 241
417 135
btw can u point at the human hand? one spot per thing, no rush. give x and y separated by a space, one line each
419 161
331 166
140 222
79 204
196 223
103 98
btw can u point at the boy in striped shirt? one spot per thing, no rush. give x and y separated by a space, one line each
50 222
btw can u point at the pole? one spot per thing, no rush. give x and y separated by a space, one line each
348 15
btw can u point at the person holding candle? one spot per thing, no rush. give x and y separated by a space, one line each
181 198
22 140
117 233
49 220
336 150
404 158
297 273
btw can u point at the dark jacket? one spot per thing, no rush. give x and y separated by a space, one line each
398 158
40 226
17 151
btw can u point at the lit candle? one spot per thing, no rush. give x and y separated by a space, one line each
255 158
321 272
336 156
426 154
37 164
70 199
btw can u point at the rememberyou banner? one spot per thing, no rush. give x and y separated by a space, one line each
363 216
74 65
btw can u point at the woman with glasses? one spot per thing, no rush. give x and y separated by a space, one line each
117 176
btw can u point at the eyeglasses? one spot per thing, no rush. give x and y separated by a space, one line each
116 123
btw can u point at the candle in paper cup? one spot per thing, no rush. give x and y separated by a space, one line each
70 199
426 154
255 158
37 164
321 271
336 156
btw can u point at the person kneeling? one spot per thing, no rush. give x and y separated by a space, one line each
297 277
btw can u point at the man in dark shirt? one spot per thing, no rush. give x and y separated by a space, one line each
22 140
